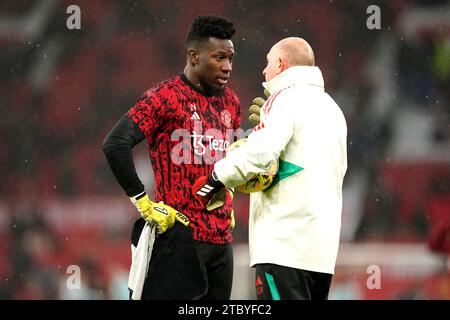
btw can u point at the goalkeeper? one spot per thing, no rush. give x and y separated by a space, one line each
294 224
196 98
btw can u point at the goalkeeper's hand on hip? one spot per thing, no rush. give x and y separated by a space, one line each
158 214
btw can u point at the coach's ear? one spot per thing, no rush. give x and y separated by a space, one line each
193 56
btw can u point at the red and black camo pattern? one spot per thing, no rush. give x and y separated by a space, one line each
160 111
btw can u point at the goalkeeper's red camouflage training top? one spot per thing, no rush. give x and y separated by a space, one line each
186 133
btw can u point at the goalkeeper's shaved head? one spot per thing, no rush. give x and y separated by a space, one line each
205 27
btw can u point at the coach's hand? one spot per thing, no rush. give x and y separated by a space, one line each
159 214
205 189
255 108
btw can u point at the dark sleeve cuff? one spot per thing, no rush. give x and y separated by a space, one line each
214 181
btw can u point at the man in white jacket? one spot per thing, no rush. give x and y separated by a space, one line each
294 225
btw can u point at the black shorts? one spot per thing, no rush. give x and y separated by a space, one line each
275 282
183 269
218 261
176 271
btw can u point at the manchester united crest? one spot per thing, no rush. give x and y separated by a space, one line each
225 117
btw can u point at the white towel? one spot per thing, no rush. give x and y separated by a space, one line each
140 259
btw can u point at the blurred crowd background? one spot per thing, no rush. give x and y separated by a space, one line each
62 90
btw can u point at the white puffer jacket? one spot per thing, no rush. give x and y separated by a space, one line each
296 222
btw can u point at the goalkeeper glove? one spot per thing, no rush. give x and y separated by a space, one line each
159 214
206 188
233 220
255 108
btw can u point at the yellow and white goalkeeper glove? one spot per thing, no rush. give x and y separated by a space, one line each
255 108
159 214
233 220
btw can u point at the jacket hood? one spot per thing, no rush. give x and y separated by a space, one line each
301 75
